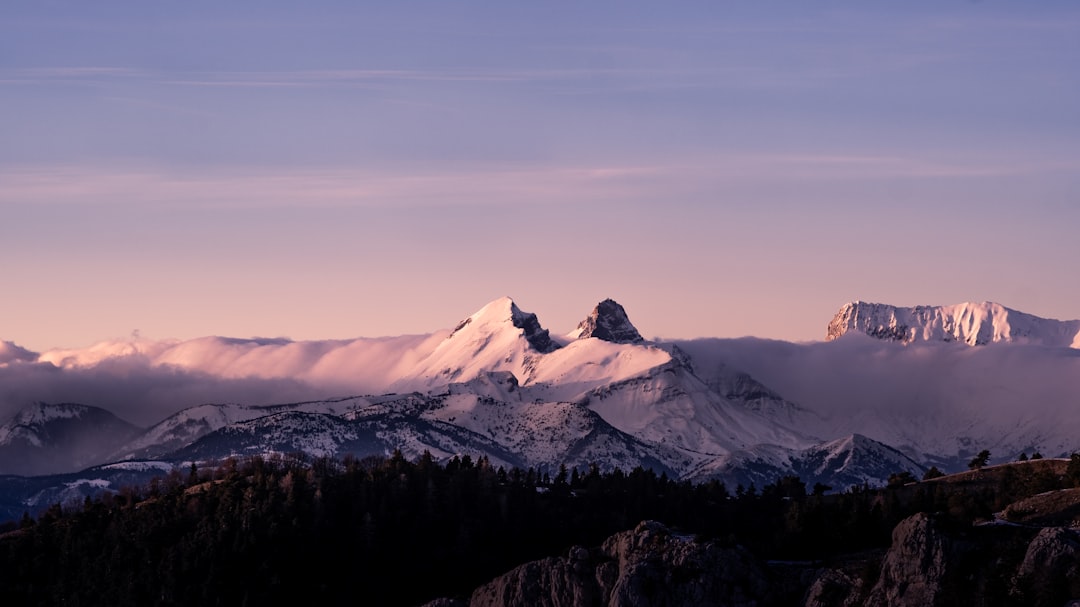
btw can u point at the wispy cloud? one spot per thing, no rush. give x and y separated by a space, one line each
825 166
329 187
487 184
590 80
69 74
317 77
157 105
980 23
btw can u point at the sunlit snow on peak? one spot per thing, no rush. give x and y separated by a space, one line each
974 324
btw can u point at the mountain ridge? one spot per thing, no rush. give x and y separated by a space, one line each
974 324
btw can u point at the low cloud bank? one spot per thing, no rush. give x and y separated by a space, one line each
145 381
136 391
920 394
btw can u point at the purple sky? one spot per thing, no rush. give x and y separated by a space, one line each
337 169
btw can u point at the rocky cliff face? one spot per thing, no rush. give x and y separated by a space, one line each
833 588
915 567
649 566
929 563
1050 569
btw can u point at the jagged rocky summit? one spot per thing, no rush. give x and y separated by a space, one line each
975 324
609 322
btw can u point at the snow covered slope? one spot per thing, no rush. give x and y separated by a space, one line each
187 426
671 406
546 434
840 464
47 438
314 434
183 428
974 324
499 337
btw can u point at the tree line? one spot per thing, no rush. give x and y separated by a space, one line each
266 531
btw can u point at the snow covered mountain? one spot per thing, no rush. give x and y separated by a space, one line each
48 438
497 384
974 324
502 338
501 385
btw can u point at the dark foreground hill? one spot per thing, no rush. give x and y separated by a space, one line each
393 532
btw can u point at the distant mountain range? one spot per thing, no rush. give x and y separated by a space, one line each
975 324
502 386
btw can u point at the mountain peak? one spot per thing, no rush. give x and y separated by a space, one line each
975 324
502 311
609 322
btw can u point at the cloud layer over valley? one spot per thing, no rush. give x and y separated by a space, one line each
143 381
995 394
931 397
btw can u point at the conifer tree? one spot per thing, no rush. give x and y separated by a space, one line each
979 460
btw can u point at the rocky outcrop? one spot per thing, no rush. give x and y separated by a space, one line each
915 567
537 336
649 566
832 588
931 562
609 322
1050 571
928 564
549 582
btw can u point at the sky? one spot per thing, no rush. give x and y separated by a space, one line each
339 169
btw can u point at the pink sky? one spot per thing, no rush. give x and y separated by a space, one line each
333 171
